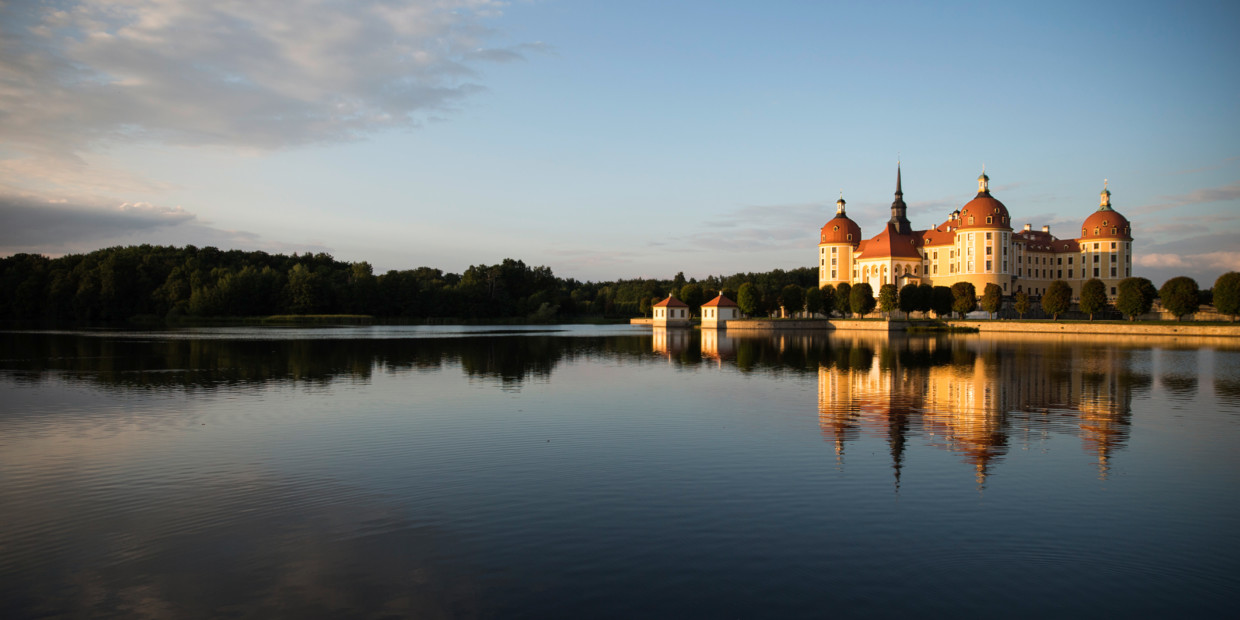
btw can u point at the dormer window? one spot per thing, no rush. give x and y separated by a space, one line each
970 219
850 236
989 219
1112 231
1095 230
836 228
1104 222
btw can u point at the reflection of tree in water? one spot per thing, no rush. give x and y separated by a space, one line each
206 364
1227 391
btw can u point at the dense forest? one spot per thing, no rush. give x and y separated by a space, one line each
124 283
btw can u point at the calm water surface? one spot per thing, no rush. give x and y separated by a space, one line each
614 472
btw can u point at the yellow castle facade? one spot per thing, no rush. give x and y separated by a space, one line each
976 244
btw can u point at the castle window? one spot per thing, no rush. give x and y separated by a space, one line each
989 268
1095 272
1104 222
850 236
1112 231
836 228
1082 232
970 219
1095 230
1112 272
1112 246
989 220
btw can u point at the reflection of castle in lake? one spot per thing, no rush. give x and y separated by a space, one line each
976 397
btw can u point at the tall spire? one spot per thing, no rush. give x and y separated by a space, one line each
899 217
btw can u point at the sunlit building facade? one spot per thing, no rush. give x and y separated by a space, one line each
976 244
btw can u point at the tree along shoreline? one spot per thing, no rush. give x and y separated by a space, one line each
175 285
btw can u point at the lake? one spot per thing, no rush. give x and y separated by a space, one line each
614 471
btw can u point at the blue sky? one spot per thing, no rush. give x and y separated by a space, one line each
609 139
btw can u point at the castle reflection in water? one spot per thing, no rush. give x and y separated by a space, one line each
970 395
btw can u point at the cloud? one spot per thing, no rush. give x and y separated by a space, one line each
1199 196
1225 261
263 74
1203 258
30 221
43 225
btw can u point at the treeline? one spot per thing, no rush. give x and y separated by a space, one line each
122 283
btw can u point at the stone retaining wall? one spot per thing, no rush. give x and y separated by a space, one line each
1048 327
795 324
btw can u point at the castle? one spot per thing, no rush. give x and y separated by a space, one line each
976 244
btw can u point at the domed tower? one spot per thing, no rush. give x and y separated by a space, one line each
984 240
1106 245
837 241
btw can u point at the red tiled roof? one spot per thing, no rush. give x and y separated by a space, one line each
838 229
671 302
981 207
890 243
1104 221
719 301
942 235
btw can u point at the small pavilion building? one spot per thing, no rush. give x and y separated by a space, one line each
671 312
718 311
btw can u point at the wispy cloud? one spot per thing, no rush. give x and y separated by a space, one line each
249 73
33 224
1199 196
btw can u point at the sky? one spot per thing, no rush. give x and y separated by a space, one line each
610 139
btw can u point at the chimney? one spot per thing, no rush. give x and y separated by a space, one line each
1046 229
1028 227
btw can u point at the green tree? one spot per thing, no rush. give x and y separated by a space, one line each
943 301
910 299
692 294
861 299
964 298
1057 299
925 299
643 306
792 299
1020 302
1180 296
829 300
992 299
1136 297
1227 294
843 298
888 299
813 300
1093 297
749 299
